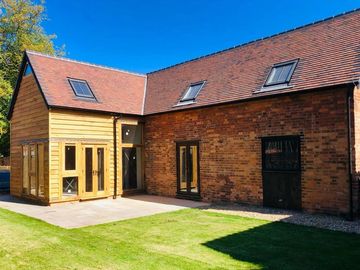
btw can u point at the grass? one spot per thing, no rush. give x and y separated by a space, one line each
186 239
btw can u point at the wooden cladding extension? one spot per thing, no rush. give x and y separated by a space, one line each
29 122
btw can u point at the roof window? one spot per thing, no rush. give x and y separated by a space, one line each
81 88
192 91
281 73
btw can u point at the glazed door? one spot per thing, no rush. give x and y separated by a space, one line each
129 166
188 168
95 180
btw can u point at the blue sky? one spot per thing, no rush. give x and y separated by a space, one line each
144 36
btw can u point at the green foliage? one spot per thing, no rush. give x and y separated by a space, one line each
5 96
20 30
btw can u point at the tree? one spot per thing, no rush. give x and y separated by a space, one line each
20 30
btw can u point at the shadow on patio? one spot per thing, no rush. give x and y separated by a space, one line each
283 246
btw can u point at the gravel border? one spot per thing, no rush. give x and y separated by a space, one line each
313 220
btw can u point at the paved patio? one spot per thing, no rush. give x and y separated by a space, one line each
80 214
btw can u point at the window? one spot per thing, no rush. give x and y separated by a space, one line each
70 186
81 88
281 73
131 134
193 91
70 157
28 70
33 163
25 168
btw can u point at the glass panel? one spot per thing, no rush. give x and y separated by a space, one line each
281 154
81 88
40 153
70 157
193 169
28 70
280 74
25 172
183 168
88 169
70 186
192 92
100 158
129 162
131 134
32 170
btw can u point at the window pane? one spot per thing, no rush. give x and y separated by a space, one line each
70 186
193 169
70 157
130 168
25 172
131 134
81 88
192 92
28 70
183 168
32 170
280 74
88 169
40 153
100 158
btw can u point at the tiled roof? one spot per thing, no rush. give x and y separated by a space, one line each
115 90
328 53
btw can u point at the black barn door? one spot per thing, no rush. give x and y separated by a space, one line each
281 169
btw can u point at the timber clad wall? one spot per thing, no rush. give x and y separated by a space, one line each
230 148
30 121
77 127
67 126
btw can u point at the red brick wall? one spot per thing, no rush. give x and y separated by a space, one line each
230 148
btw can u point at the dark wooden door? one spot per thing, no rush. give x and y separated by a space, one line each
281 170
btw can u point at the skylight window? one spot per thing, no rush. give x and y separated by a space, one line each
28 70
193 91
281 73
81 88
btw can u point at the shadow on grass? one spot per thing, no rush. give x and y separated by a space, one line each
285 246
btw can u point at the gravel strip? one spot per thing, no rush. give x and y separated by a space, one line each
314 220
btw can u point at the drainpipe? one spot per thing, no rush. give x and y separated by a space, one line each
116 118
348 103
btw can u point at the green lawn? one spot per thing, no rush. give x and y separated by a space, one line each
186 239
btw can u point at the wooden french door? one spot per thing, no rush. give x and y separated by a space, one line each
95 180
188 172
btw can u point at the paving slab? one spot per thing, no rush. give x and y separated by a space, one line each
81 214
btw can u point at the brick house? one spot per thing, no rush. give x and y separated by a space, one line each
272 122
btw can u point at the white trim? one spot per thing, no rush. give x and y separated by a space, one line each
84 63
